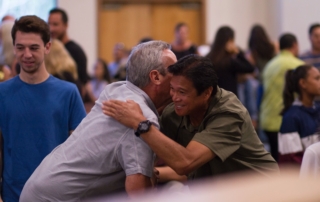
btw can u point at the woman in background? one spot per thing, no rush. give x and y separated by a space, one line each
301 115
101 78
227 59
60 64
261 49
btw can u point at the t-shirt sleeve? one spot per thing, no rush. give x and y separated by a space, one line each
134 155
222 134
76 110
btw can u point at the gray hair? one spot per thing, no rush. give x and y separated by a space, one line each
143 59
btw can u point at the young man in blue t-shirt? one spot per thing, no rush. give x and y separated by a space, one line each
37 110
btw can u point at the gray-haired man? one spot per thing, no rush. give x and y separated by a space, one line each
100 157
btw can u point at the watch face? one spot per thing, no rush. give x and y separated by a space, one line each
144 126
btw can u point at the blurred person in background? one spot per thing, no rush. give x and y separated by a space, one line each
181 45
60 64
7 58
312 57
273 78
261 49
117 67
58 23
301 114
100 80
250 90
228 61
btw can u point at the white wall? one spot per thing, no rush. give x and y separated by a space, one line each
83 26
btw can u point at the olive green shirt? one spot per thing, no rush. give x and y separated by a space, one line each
227 131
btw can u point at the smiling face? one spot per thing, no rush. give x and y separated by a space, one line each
30 50
185 97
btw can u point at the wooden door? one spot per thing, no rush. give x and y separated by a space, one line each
130 21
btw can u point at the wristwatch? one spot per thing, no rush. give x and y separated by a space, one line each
143 127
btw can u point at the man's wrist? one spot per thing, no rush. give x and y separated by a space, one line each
137 122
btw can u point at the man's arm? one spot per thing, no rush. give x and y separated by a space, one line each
168 174
137 184
182 160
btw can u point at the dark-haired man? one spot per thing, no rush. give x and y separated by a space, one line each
58 23
207 130
273 78
312 57
38 111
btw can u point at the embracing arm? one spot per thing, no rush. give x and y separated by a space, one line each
167 174
137 184
182 160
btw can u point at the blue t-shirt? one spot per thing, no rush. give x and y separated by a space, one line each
34 119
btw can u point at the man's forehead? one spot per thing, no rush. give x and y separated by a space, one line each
28 39
55 16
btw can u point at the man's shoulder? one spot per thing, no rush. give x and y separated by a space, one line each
73 46
62 85
228 103
7 86
9 82
307 53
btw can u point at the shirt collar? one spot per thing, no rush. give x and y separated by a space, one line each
140 92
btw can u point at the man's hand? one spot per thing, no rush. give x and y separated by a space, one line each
128 113
155 178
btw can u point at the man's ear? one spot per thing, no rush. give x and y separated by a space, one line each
207 93
47 47
155 77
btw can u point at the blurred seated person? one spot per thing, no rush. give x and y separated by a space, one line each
117 68
60 64
182 46
301 115
99 81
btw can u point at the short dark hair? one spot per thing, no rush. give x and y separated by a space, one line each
63 13
179 25
287 41
312 27
31 24
199 70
